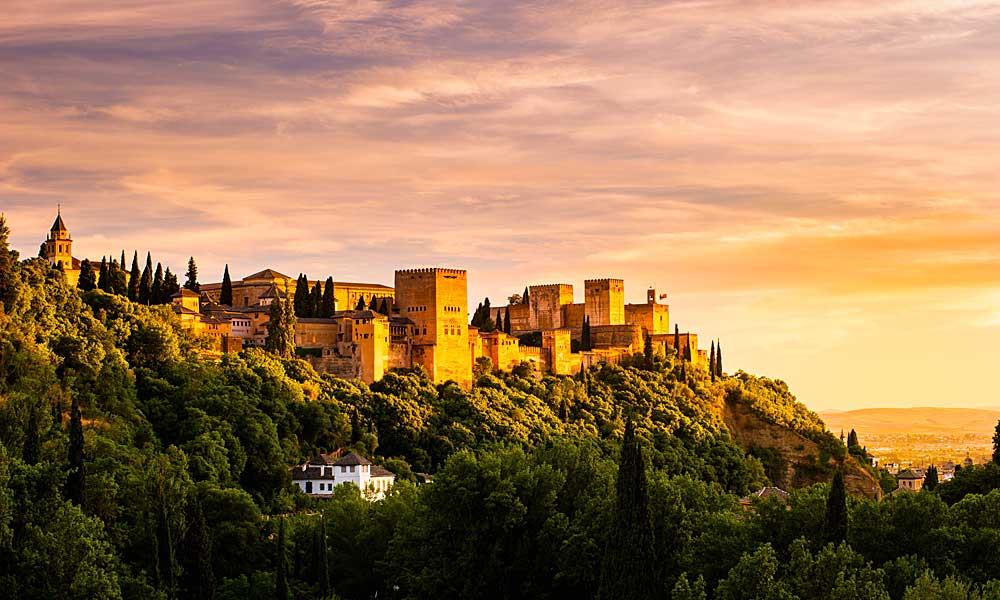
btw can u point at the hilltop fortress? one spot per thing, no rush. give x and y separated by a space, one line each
427 323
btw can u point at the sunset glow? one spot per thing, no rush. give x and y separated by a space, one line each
813 183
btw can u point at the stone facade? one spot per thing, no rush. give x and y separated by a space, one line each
605 301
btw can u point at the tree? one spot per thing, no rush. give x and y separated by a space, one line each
316 299
585 342
87 280
133 278
322 558
361 303
627 569
328 307
226 295
384 307
687 350
198 579
281 564
170 286
104 277
685 590
32 441
835 524
192 277
156 288
499 323
996 444
852 439
373 305
931 478
146 282
7 286
281 328
121 261
524 296
647 351
116 273
506 320
76 479
718 357
677 341
302 297
711 361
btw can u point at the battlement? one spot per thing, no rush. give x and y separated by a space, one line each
550 286
431 270
605 280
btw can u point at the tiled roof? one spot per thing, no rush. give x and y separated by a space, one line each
909 474
186 293
352 458
380 472
379 286
58 224
267 274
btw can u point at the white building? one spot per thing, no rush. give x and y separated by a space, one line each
319 476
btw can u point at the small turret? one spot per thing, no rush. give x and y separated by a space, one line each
59 243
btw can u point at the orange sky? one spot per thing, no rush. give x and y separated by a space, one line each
813 182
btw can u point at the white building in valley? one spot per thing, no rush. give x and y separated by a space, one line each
319 476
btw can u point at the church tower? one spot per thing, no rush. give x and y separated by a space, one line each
59 244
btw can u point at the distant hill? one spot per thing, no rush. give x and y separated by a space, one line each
921 420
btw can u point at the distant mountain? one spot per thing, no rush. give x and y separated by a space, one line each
920 420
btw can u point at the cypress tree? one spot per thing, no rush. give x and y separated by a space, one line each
711 361
835 524
677 341
852 439
226 295
499 323
322 559
281 327
384 307
329 305
585 341
685 590
718 357
76 479
477 317
302 296
281 565
373 305
87 280
118 283
627 571
996 444
192 277
156 288
684 376
170 286
104 277
931 478
524 297
316 299
687 350
361 303
122 260
146 282
506 321
196 554
647 351
133 278
8 289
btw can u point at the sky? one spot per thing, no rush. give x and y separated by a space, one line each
813 182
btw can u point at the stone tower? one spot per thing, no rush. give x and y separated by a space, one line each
59 244
605 301
437 302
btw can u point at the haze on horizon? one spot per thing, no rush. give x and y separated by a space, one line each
812 182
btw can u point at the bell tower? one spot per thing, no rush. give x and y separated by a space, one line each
59 244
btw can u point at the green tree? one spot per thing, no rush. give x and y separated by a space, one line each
647 351
373 305
687 350
585 341
119 285
87 280
755 577
198 579
835 524
329 304
852 439
133 278
104 277
685 590
8 287
316 299
996 444
711 361
192 277
499 324
302 297
146 282
226 295
361 303
170 286
281 327
77 477
931 478
322 558
384 308
281 591
718 357
627 570
156 287
677 341
506 320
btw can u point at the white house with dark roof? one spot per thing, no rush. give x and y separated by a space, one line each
318 476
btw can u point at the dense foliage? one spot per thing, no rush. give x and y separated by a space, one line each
135 464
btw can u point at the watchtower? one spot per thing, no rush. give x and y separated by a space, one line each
437 302
604 301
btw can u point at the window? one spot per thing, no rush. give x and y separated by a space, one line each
352 468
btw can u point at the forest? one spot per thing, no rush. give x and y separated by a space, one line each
136 464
